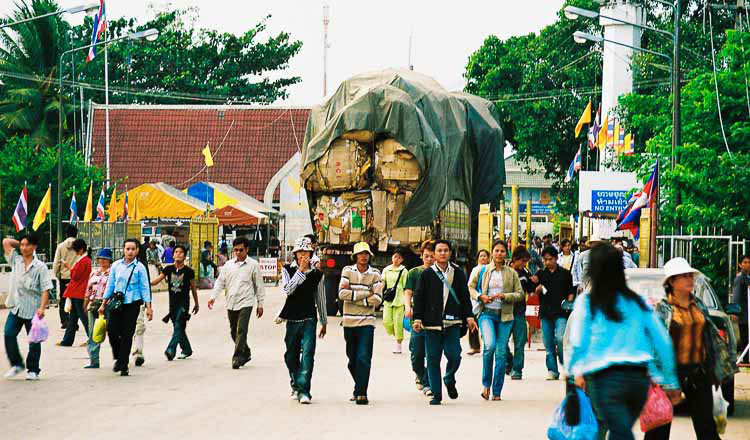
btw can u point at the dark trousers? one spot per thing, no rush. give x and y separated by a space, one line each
437 342
418 355
61 302
75 314
239 320
359 341
515 358
743 342
618 395
13 326
300 354
696 386
120 329
179 335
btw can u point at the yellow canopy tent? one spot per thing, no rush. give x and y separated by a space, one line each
219 195
152 200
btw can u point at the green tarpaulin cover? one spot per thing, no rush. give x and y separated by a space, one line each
456 137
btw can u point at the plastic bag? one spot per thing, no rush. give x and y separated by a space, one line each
720 410
586 429
658 410
39 331
407 324
100 330
68 305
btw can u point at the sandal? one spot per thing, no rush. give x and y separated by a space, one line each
485 394
496 398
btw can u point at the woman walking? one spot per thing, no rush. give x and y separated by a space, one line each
567 257
483 258
128 284
76 292
95 289
394 277
697 348
498 290
615 344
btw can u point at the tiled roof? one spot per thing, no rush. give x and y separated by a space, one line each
528 174
153 143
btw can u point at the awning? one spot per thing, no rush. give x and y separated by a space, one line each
239 216
153 200
219 195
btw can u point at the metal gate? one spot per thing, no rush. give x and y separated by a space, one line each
108 234
202 228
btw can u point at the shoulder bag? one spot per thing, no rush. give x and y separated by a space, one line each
389 294
118 298
464 326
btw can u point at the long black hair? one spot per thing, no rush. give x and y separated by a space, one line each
607 275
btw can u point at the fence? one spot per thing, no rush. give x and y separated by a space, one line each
105 234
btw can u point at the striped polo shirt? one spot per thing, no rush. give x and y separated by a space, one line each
27 284
361 293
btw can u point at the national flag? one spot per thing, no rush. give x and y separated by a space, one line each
630 218
629 143
89 214
575 165
100 23
22 209
594 129
611 132
584 119
113 205
621 140
44 208
207 156
602 137
125 210
73 209
100 214
616 135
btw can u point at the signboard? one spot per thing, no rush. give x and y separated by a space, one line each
536 208
268 267
608 201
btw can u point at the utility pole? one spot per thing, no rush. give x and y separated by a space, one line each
326 20
676 120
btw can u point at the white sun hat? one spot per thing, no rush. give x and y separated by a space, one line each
302 244
677 266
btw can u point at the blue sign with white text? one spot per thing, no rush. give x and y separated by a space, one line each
608 201
536 208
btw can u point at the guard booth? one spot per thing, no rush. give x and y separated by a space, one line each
202 228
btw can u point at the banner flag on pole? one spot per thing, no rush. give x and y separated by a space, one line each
125 210
629 142
207 156
594 129
611 132
100 23
44 208
575 165
22 209
602 138
630 217
73 209
585 118
113 205
100 214
89 214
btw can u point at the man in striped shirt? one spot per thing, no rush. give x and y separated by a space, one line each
361 290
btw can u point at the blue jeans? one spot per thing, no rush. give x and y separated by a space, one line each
618 395
552 335
12 327
93 347
359 342
495 336
179 335
520 336
437 342
75 314
417 350
300 354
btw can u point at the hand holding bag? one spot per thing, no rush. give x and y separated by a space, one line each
118 298
658 410
39 331
100 330
562 427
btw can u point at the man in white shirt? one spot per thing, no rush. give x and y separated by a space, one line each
242 282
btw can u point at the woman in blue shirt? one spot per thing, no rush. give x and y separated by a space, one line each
128 276
617 347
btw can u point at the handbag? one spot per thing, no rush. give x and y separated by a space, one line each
464 325
563 426
118 298
476 305
658 410
389 294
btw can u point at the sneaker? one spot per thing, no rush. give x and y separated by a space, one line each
91 366
552 376
32 376
168 354
419 384
304 399
452 391
184 355
294 395
427 391
397 348
235 365
516 376
13 372
434 401
362 400
139 361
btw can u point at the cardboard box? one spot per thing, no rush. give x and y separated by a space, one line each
396 167
342 167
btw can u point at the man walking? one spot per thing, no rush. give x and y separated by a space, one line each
29 293
739 296
361 290
64 254
242 282
441 307
416 339
555 286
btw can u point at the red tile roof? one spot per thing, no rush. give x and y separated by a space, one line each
163 143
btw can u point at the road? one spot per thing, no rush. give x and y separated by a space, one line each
202 397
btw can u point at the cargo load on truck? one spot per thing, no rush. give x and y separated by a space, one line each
390 150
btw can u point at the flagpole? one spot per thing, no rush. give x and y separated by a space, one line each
106 98
654 219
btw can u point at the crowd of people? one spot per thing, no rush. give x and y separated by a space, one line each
594 327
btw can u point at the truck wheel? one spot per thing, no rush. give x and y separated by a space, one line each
332 293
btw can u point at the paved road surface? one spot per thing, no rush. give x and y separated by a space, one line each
204 398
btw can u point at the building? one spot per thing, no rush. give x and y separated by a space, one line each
532 185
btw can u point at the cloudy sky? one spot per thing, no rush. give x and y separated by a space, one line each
363 35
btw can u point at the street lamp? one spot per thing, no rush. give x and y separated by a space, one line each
148 35
582 37
89 9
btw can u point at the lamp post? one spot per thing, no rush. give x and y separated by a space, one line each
92 7
149 35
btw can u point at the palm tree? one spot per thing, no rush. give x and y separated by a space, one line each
29 55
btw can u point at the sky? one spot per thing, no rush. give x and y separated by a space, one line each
363 35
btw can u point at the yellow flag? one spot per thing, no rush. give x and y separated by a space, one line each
628 147
207 156
616 137
602 139
585 118
88 216
113 206
44 209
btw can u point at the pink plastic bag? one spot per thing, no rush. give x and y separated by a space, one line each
658 410
39 330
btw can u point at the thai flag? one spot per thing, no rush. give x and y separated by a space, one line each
595 127
574 166
100 207
125 210
630 218
73 210
22 208
100 23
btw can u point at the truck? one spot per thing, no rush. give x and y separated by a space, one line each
393 159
